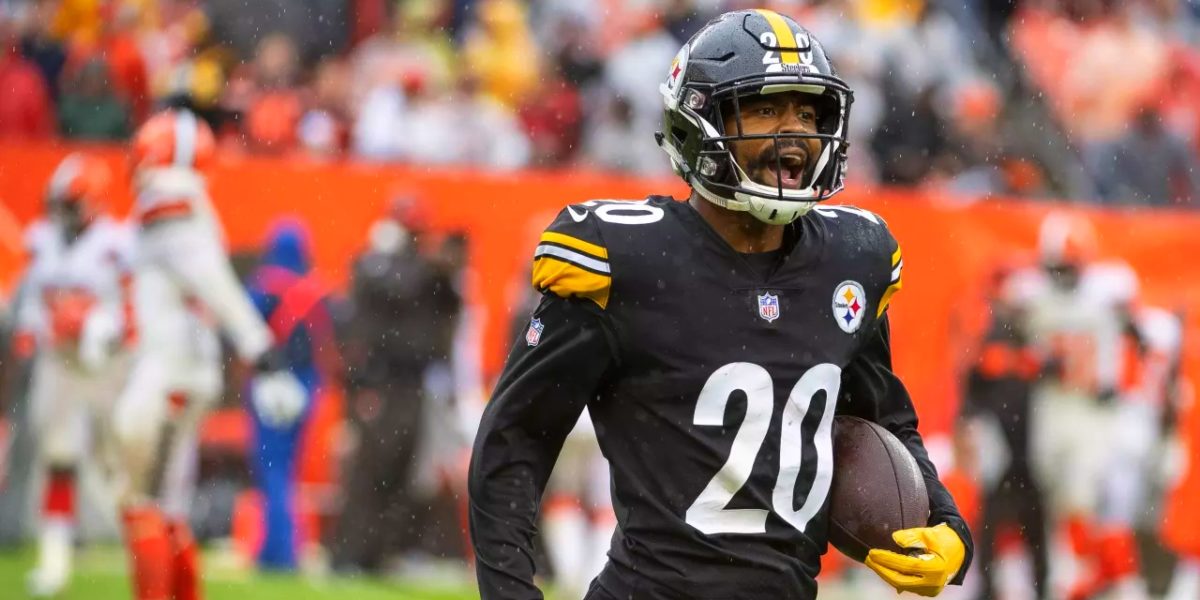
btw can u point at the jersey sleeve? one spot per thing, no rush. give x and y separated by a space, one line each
895 266
554 369
872 391
571 259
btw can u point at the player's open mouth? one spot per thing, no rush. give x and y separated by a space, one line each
789 170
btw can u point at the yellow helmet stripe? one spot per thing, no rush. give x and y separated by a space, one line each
783 33
575 243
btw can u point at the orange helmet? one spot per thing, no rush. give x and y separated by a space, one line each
173 138
1067 239
81 184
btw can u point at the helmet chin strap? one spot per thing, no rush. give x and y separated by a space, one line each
772 212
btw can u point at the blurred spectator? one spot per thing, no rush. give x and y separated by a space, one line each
295 305
466 128
1180 111
78 21
413 55
911 138
275 111
319 27
930 52
552 118
415 42
1072 52
635 71
499 52
1149 166
616 143
324 128
119 47
39 46
25 109
379 131
90 108
996 417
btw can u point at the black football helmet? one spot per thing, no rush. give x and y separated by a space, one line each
735 56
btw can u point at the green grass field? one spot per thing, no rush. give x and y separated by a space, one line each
100 575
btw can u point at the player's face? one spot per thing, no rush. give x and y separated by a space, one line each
1064 275
71 214
790 162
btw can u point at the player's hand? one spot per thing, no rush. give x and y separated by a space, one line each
941 554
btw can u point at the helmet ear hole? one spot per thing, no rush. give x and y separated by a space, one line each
679 135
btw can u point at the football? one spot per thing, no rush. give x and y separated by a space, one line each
877 488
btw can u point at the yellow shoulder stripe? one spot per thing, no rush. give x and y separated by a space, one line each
887 297
783 34
568 280
897 283
575 243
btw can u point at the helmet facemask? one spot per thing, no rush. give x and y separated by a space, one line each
720 178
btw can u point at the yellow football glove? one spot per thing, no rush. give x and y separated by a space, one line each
926 573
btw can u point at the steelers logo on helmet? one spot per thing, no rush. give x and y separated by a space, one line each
731 61
675 74
849 306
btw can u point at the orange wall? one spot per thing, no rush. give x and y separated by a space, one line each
949 247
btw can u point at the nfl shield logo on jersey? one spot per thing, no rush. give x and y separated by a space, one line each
534 334
768 307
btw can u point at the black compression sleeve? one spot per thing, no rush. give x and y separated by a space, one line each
539 398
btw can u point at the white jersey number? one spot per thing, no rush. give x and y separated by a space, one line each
623 212
708 513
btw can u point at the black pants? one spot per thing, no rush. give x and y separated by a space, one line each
1016 500
377 519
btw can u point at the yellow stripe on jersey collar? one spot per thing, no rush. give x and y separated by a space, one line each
786 38
575 244
896 256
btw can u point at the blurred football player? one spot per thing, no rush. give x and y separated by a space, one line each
73 315
1180 530
1076 313
185 289
995 420
712 342
578 517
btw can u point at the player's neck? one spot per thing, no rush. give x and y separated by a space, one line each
740 230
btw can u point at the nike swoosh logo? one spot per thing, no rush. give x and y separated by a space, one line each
578 216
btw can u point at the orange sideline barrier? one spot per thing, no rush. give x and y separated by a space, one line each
950 248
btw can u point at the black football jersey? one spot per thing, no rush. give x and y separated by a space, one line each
712 378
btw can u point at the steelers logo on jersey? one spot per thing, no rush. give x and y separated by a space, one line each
849 305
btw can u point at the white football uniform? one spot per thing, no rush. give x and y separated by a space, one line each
186 291
74 305
1081 331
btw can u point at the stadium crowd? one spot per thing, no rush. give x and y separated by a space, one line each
975 98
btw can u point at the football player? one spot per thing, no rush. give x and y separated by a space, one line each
713 341
1076 310
185 290
73 318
